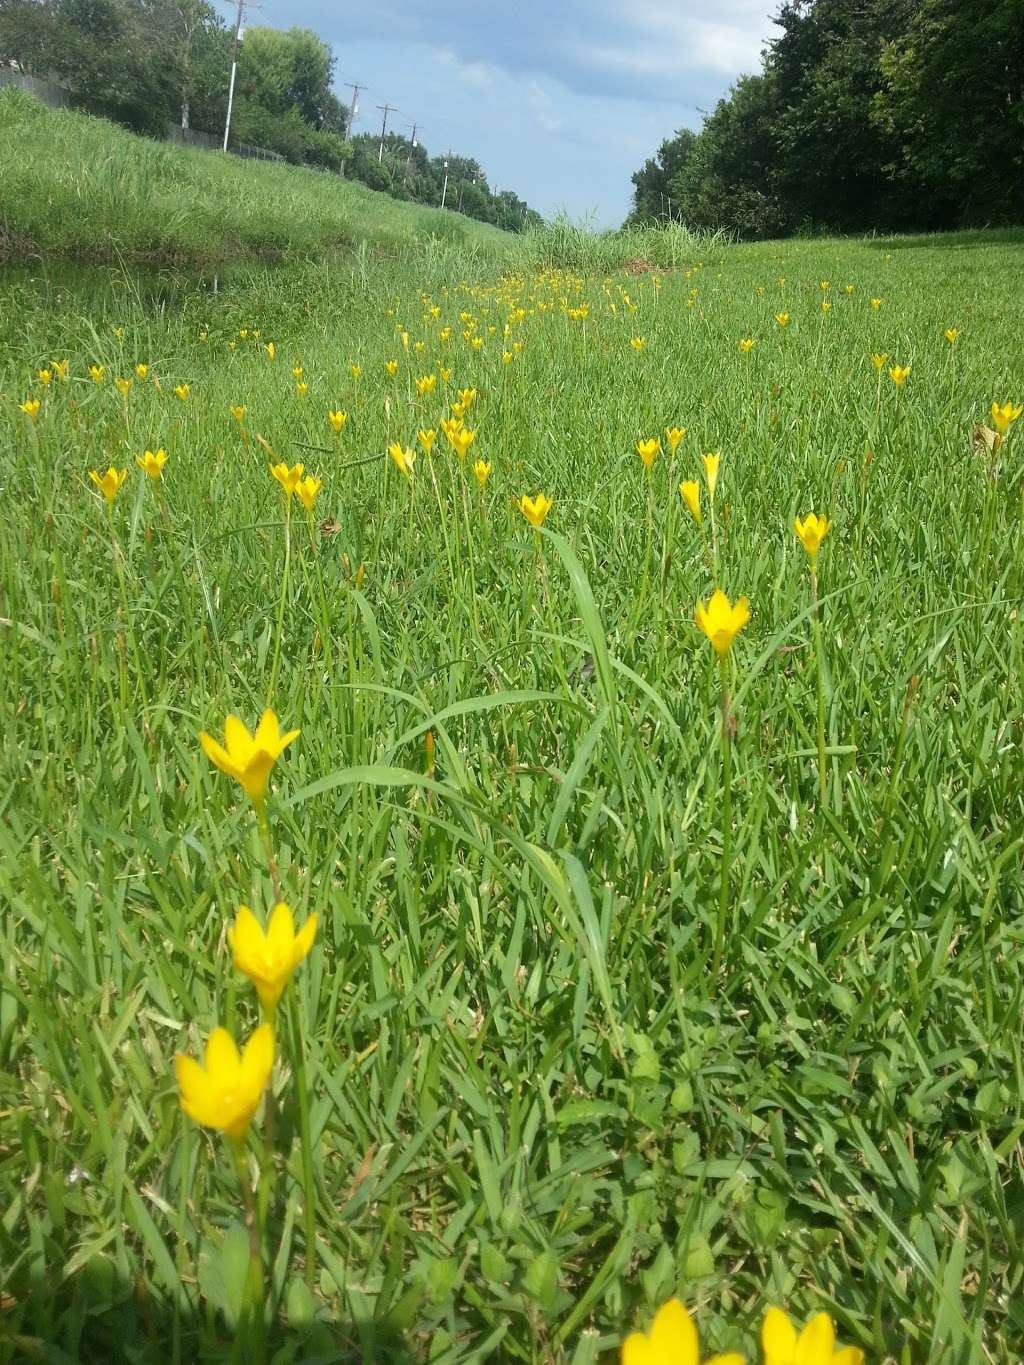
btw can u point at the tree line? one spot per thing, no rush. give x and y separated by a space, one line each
147 63
896 115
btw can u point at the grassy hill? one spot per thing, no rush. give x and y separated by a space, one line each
80 187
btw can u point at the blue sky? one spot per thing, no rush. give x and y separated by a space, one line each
559 100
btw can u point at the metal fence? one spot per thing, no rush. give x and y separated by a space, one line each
60 97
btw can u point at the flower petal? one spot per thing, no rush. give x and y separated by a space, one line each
221 1061
778 1337
816 1342
673 1335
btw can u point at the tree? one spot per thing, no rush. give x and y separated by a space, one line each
652 193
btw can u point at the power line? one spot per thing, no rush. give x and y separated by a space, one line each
385 109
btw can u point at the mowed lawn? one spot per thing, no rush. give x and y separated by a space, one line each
538 1105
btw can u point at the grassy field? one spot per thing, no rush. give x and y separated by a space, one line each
80 187
538 1107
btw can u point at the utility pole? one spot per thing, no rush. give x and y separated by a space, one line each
444 189
412 148
385 109
234 69
353 107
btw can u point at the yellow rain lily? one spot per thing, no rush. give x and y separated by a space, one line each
811 532
426 439
482 470
951 334
689 491
720 621
60 368
648 451
182 391
337 419
238 413
1003 416
878 359
815 1345
535 509
674 435
711 463
825 305
288 478
427 384
355 371
225 1091
96 373
782 319
141 371
301 388
271 350
30 408
467 397
876 303
391 366
249 758
44 377
404 457
268 957
307 490
638 343
898 374
153 464
297 372
461 440
123 386
747 345
672 1340
109 483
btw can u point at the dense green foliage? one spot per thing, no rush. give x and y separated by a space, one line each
535 1111
145 63
868 114
72 185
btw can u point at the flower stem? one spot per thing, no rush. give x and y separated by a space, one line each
820 651
302 1093
268 848
253 1303
723 888
284 593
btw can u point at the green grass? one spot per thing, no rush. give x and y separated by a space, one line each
535 1114
80 187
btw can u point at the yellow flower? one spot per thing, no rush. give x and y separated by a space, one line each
403 458
307 490
60 368
119 333
847 288
182 391
648 451
825 284
419 346
720 621
638 343
467 397
445 374
337 419
1003 416
816 1344
747 345
876 303
672 1341
825 305
238 413
445 334
898 374
674 435
689 491
243 332
535 509
405 338
811 532
355 371
296 372
109 483
249 758
391 366
271 350
426 439
951 334
451 425
461 440
878 359
152 464
225 1091
507 357
711 463
427 384
476 343
96 373
301 388
482 470
288 478
782 319
44 377
142 371
31 408
123 386
269 958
